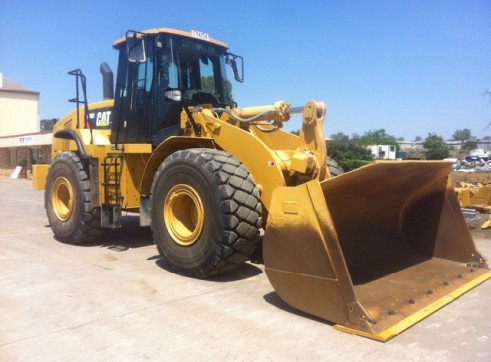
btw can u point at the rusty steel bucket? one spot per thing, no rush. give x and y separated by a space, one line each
374 250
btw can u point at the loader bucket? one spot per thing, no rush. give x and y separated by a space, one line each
374 250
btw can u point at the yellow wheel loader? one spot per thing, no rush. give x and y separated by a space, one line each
373 251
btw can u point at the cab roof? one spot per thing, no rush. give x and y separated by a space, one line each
193 34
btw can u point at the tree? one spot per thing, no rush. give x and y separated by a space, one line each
467 146
418 138
47 124
378 137
462 134
436 148
340 136
208 85
296 133
349 155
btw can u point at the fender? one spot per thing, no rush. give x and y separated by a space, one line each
166 148
70 134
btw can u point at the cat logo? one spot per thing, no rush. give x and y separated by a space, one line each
103 119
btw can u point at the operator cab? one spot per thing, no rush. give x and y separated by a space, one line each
160 72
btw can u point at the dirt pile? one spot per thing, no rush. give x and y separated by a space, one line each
471 177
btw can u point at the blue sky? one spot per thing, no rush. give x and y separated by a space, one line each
410 67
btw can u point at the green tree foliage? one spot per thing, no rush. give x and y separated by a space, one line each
227 90
378 137
436 148
208 85
296 133
349 165
348 150
349 155
467 146
340 136
48 124
462 134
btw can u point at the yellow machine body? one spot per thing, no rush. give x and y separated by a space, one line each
373 250
476 196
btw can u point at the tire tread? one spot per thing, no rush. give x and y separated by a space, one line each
88 226
239 202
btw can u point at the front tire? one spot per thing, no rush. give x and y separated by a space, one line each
71 214
206 212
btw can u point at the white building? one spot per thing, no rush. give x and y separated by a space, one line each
383 152
20 136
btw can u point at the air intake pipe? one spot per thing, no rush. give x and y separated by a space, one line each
107 81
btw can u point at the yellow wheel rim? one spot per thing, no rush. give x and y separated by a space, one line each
62 199
184 214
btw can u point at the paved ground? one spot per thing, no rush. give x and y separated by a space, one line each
115 301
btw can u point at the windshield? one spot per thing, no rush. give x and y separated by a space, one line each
198 69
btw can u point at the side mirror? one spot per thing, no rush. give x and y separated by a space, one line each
135 45
231 59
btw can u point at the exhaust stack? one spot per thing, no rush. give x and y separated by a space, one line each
107 81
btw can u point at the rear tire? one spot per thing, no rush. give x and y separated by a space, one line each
206 212
68 203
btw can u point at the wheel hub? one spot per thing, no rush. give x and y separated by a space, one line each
183 214
62 198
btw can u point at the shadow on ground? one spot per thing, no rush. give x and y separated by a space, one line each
129 236
242 271
274 299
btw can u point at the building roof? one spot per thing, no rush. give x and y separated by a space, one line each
7 85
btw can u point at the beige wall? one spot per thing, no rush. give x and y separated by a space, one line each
20 138
19 113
